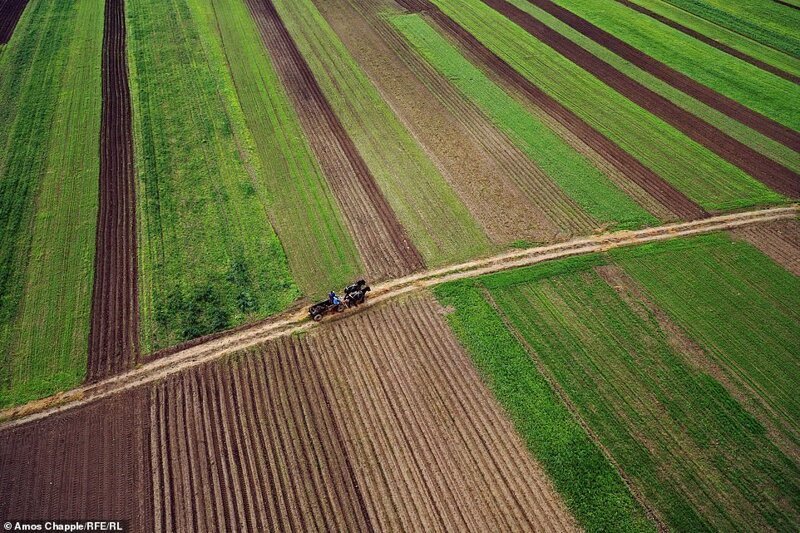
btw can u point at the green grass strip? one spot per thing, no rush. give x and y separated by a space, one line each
50 104
703 176
589 484
319 247
695 53
437 221
764 21
571 171
734 300
209 258
761 91
697 455
755 49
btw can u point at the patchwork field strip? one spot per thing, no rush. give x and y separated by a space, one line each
772 174
711 42
649 181
362 426
680 81
382 241
10 12
503 189
114 330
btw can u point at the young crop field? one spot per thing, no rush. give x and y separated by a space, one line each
667 364
50 106
208 256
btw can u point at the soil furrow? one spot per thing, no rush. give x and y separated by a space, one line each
385 247
645 178
757 165
779 240
114 325
10 12
711 42
710 97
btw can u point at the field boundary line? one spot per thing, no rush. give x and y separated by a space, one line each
225 344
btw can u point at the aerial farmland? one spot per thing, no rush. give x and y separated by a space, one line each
400 265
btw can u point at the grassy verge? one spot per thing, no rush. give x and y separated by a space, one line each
759 90
703 176
209 258
320 250
50 102
764 21
437 222
571 171
728 69
588 482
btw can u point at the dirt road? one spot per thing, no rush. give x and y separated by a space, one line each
225 344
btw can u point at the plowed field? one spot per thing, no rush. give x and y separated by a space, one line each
114 331
362 426
10 12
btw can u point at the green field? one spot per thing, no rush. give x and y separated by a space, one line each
698 456
209 258
437 222
700 174
50 102
320 250
764 21
571 171
739 305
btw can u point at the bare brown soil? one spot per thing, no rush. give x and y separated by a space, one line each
113 333
645 178
680 81
377 422
778 240
83 464
385 247
428 441
10 12
511 200
295 322
757 165
711 42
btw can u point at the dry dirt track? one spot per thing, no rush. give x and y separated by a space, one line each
225 344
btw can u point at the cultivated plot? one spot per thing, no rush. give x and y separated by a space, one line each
676 360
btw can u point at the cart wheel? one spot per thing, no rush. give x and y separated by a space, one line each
317 317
